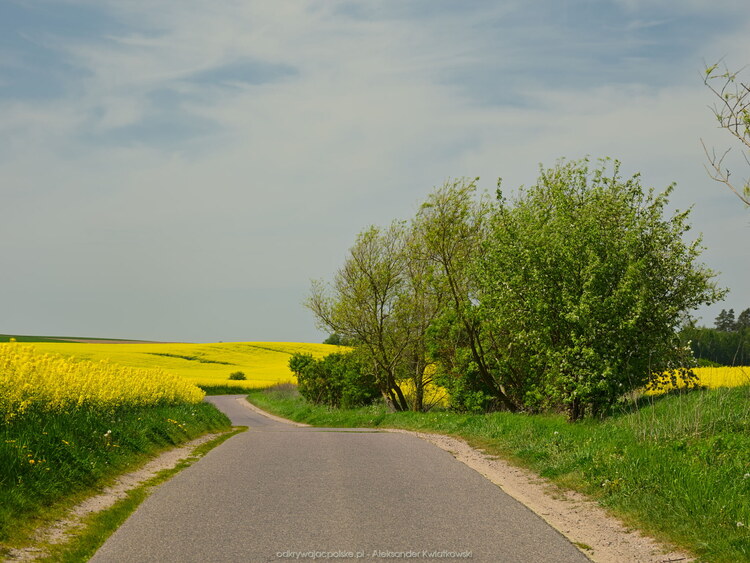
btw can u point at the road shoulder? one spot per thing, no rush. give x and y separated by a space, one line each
603 538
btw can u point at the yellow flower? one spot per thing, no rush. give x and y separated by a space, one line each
56 383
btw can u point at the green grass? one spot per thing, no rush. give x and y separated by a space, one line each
220 389
84 542
48 460
23 338
676 467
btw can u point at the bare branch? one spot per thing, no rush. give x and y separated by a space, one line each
733 114
720 174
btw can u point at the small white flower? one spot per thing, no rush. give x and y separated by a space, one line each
746 476
740 524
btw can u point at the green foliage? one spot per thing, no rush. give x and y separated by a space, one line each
299 361
19 338
583 282
333 339
743 320
338 380
46 457
725 321
336 339
378 301
237 376
221 389
282 391
566 298
456 368
452 226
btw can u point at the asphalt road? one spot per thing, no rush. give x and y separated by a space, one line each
283 493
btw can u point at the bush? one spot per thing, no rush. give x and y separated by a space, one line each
583 280
237 376
299 361
338 380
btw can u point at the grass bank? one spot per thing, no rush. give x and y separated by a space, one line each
675 466
84 541
49 460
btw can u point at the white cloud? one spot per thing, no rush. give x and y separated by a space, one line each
146 180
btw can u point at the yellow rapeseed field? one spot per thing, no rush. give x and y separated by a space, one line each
263 363
716 377
30 377
723 376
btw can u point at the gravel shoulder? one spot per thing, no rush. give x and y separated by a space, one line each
60 531
602 537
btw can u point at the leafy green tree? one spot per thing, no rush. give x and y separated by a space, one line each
298 361
374 302
333 339
451 226
583 284
732 111
337 340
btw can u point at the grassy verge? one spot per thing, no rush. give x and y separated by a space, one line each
224 388
98 527
49 460
20 338
676 467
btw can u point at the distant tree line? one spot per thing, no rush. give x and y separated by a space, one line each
563 298
728 343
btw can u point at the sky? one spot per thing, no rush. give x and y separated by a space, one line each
179 170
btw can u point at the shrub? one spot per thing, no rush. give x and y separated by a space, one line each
583 279
338 380
237 376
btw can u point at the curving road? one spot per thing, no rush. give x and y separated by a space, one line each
280 492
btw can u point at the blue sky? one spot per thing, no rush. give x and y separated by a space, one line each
180 170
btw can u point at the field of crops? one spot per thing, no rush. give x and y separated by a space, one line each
723 376
262 363
713 378
67 425
30 379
